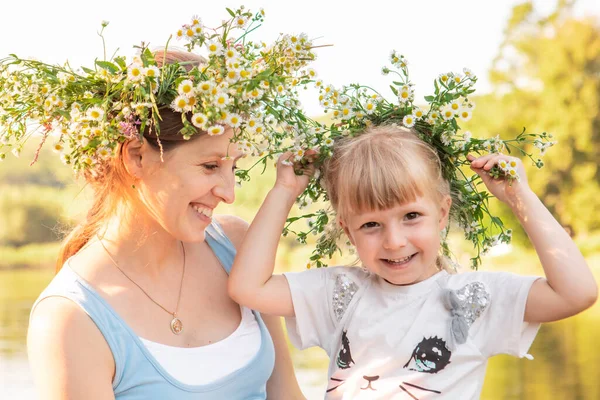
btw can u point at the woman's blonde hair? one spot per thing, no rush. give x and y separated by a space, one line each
110 181
384 166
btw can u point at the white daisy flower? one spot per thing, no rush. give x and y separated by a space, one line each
503 165
230 54
232 76
95 113
241 21
58 147
180 104
152 72
186 88
104 153
214 47
199 120
135 72
455 105
447 113
298 154
465 114
205 87
408 121
234 120
370 107
221 99
215 130
511 172
418 113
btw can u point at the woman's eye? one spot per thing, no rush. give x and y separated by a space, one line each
412 215
369 225
210 167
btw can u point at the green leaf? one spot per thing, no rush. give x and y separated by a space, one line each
394 90
429 98
108 66
230 12
121 62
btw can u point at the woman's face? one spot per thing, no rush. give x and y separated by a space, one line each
181 193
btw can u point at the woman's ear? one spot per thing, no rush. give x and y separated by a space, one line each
446 203
132 157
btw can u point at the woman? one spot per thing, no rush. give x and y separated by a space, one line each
140 308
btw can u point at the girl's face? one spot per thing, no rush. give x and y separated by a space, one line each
400 244
181 193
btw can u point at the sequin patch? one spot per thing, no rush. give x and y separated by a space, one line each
474 299
343 292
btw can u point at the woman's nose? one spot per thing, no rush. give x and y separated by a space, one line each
225 189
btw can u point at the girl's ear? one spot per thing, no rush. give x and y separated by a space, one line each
445 205
346 231
132 158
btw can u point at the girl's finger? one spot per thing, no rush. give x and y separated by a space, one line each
479 162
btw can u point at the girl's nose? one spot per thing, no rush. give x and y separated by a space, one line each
395 238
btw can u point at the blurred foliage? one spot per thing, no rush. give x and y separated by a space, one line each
547 77
36 201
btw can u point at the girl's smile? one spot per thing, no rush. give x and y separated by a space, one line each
400 244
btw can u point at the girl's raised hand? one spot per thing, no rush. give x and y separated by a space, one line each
505 190
294 176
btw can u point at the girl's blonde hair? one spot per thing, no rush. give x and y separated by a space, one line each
384 166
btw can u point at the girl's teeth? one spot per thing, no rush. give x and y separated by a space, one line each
401 260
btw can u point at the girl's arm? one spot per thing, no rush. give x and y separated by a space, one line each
282 383
251 282
569 287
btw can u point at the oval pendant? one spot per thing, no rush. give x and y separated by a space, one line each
176 326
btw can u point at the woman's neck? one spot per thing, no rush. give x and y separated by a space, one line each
138 245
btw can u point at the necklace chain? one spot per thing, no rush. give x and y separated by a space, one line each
176 325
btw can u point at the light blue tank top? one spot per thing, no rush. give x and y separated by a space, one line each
138 375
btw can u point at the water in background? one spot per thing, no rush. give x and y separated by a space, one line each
566 365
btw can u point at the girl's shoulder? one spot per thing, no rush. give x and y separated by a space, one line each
487 277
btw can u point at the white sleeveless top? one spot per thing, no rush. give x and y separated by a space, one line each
205 364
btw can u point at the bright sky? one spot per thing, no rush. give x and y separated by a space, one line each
435 35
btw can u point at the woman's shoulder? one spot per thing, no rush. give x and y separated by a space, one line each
59 333
234 227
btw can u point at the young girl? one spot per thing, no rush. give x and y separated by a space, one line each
401 326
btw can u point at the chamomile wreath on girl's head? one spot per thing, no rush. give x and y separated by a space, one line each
355 107
247 86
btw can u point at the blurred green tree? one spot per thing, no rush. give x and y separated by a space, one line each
547 77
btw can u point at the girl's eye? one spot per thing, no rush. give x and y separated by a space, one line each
369 225
412 215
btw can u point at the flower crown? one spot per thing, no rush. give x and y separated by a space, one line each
250 87
355 107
